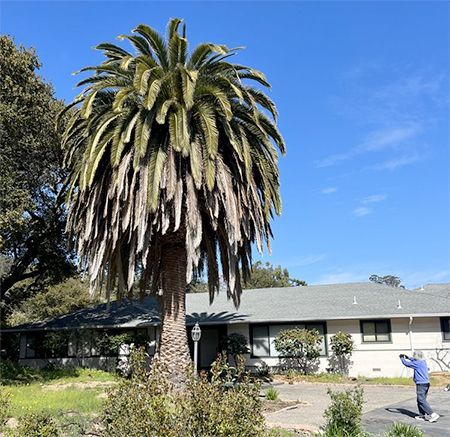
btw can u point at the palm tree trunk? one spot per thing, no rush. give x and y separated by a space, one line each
173 345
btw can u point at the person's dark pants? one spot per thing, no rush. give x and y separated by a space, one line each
422 403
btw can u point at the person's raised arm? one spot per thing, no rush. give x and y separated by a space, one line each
407 361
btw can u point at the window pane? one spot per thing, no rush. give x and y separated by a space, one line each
383 337
94 342
446 335
30 352
368 328
369 337
260 341
382 328
72 347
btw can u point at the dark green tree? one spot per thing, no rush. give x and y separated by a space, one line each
55 300
391 280
342 346
32 213
268 276
299 348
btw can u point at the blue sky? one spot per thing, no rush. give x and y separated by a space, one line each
362 90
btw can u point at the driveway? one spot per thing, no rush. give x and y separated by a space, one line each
313 400
379 419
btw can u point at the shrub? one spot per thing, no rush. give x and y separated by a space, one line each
342 345
404 430
12 372
336 431
147 404
271 394
5 404
344 413
235 344
264 371
290 376
40 424
299 347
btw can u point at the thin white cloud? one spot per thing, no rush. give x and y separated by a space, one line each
407 95
398 103
400 161
393 137
418 278
341 277
374 198
306 260
333 159
329 190
361 211
389 137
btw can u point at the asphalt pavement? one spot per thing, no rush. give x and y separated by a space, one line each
379 411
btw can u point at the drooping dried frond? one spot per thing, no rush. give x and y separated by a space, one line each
163 146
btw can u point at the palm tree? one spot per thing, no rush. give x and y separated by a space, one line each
173 170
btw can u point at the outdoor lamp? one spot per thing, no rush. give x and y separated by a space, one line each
196 333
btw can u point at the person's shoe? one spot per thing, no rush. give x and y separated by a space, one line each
421 417
433 418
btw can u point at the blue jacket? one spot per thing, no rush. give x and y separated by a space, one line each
420 369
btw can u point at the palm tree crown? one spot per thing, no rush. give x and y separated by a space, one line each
166 147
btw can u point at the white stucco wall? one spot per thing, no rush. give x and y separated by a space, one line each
379 359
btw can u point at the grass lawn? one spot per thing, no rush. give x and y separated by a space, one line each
36 397
13 374
74 397
58 391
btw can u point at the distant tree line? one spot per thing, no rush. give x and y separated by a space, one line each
262 276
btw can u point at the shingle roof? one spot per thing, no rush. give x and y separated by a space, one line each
314 302
442 290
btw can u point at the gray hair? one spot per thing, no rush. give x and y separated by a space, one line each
418 355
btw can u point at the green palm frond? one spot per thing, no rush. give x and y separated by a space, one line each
164 146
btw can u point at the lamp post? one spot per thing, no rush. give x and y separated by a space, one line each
196 333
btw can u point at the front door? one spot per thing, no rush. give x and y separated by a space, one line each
209 345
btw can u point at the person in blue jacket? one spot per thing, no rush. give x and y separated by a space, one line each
418 363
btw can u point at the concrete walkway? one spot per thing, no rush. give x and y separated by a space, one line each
313 400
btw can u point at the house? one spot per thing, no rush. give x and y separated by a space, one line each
383 321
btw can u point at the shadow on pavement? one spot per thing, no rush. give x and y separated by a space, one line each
401 411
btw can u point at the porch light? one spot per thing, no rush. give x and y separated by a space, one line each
196 334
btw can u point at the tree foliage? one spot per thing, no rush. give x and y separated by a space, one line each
342 343
261 276
391 280
235 344
32 216
63 298
171 147
299 348
342 346
268 276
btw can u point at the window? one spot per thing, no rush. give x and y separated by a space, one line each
262 337
445 325
260 341
376 331
30 351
